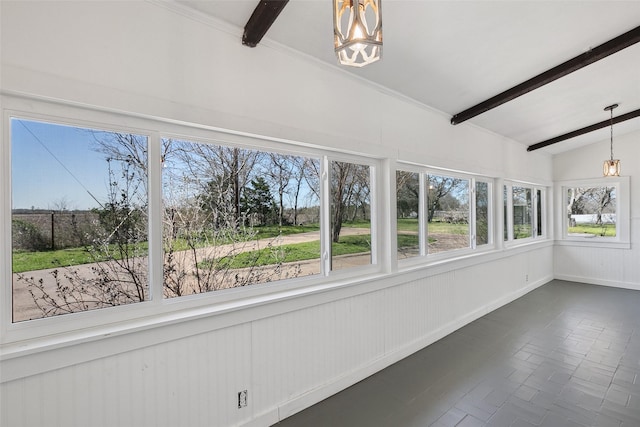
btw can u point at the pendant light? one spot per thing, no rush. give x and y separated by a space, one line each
611 167
357 31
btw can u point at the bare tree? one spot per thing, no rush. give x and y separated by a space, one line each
298 176
439 187
590 200
220 169
280 173
62 204
349 189
408 192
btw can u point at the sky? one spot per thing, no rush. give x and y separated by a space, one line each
53 165
56 167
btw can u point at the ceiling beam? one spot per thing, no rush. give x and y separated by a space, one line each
600 125
263 16
595 54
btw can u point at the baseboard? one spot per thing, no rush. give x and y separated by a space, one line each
599 282
338 384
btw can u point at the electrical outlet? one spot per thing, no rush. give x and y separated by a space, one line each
526 277
243 397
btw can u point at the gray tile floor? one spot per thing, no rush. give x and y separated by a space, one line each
566 354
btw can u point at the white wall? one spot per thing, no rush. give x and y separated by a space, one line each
602 266
149 59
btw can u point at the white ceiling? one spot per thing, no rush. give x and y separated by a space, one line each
452 54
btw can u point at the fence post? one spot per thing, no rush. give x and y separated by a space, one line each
53 242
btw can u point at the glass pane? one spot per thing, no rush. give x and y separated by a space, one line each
350 215
407 201
236 217
482 213
591 211
79 219
522 206
447 213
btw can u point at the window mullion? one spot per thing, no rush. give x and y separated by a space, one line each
156 256
472 214
325 217
423 213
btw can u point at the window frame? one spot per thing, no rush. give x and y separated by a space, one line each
426 258
150 312
538 209
622 238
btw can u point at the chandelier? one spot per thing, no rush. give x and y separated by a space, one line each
357 31
611 167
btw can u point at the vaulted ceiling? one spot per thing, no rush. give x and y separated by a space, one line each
452 55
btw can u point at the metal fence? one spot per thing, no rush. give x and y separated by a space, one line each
52 230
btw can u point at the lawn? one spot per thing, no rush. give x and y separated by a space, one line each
436 227
608 230
294 252
40 260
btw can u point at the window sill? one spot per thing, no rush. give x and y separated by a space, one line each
593 241
434 267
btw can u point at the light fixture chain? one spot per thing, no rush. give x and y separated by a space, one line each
611 110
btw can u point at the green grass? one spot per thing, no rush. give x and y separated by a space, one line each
357 224
286 230
40 260
608 230
351 245
521 231
408 224
268 256
29 261
293 253
411 224
408 240
203 240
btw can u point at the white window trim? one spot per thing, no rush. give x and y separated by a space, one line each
622 240
511 241
424 258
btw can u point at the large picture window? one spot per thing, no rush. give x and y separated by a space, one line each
594 212
236 217
79 219
591 211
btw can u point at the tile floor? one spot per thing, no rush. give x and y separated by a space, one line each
566 354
